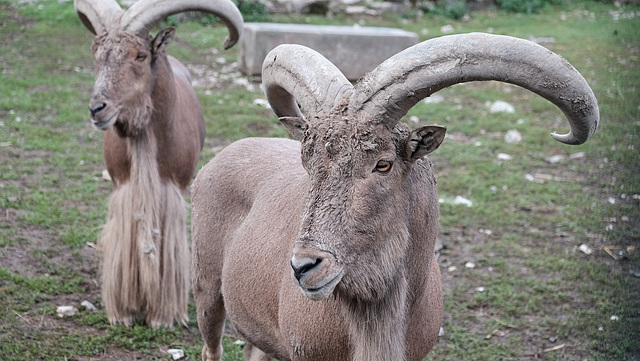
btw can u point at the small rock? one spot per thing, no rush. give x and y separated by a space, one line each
452 268
554 159
479 289
463 201
65 311
611 200
635 272
470 265
577 155
105 175
532 178
503 156
585 249
553 339
88 305
262 102
500 106
447 29
434 99
176 353
513 136
439 245
441 332
239 342
614 318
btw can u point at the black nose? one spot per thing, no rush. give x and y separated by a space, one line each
95 108
300 269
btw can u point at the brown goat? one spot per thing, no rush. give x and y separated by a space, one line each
323 249
154 132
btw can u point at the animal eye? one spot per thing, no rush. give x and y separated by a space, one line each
141 56
383 166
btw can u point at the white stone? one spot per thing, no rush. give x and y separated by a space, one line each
65 311
88 305
500 106
585 249
105 175
513 136
433 99
463 201
554 158
262 102
176 353
447 29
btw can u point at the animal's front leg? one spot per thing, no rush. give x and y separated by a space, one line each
252 353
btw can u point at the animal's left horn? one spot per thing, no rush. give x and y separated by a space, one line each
142 16
397 84
97 16
294 74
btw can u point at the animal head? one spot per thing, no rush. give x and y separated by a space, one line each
131 66
356 224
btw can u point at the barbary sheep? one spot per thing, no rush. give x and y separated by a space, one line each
154 132
323 249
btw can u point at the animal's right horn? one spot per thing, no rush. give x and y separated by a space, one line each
142 16
294 74
97 16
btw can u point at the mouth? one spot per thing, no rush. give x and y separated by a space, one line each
104 122
323 291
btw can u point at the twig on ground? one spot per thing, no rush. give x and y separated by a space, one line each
19 315
554 348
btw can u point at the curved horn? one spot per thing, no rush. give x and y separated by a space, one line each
97 16
397 84
293 73
142 16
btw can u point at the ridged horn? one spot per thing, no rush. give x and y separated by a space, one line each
294 74
396 85
142 16
97 16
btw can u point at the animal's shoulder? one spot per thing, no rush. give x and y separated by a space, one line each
255 163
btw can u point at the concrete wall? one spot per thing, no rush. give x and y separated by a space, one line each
354 50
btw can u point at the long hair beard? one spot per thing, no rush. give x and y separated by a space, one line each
145 263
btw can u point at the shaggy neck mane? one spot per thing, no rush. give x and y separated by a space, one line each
144 210
377 329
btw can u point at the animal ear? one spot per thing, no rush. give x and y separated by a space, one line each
423 141
164 38
295 125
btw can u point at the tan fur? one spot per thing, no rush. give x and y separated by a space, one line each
243 238
151 151
153 134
